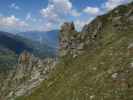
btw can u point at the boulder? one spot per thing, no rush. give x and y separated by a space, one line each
80 46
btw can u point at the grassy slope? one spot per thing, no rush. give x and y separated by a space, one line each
89 77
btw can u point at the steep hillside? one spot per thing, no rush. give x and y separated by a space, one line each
95 64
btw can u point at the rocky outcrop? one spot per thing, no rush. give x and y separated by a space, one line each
94 28
119 19
28 73
70 40
67 27
75 43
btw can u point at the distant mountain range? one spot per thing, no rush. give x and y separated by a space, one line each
49 38
12 45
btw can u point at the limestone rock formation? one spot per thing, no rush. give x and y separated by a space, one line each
24 57
70 40
28 73
67 27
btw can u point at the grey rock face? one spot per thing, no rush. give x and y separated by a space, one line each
29 73
89 29
70 41
67 27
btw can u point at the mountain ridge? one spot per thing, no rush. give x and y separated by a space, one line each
12 45
96 63
49 37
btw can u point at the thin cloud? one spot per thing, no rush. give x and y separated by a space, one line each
14 6
12 22
92 10
111 4
28 16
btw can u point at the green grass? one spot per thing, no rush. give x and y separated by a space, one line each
89 77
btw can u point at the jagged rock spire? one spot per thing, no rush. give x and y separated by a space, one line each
24 57
67 27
